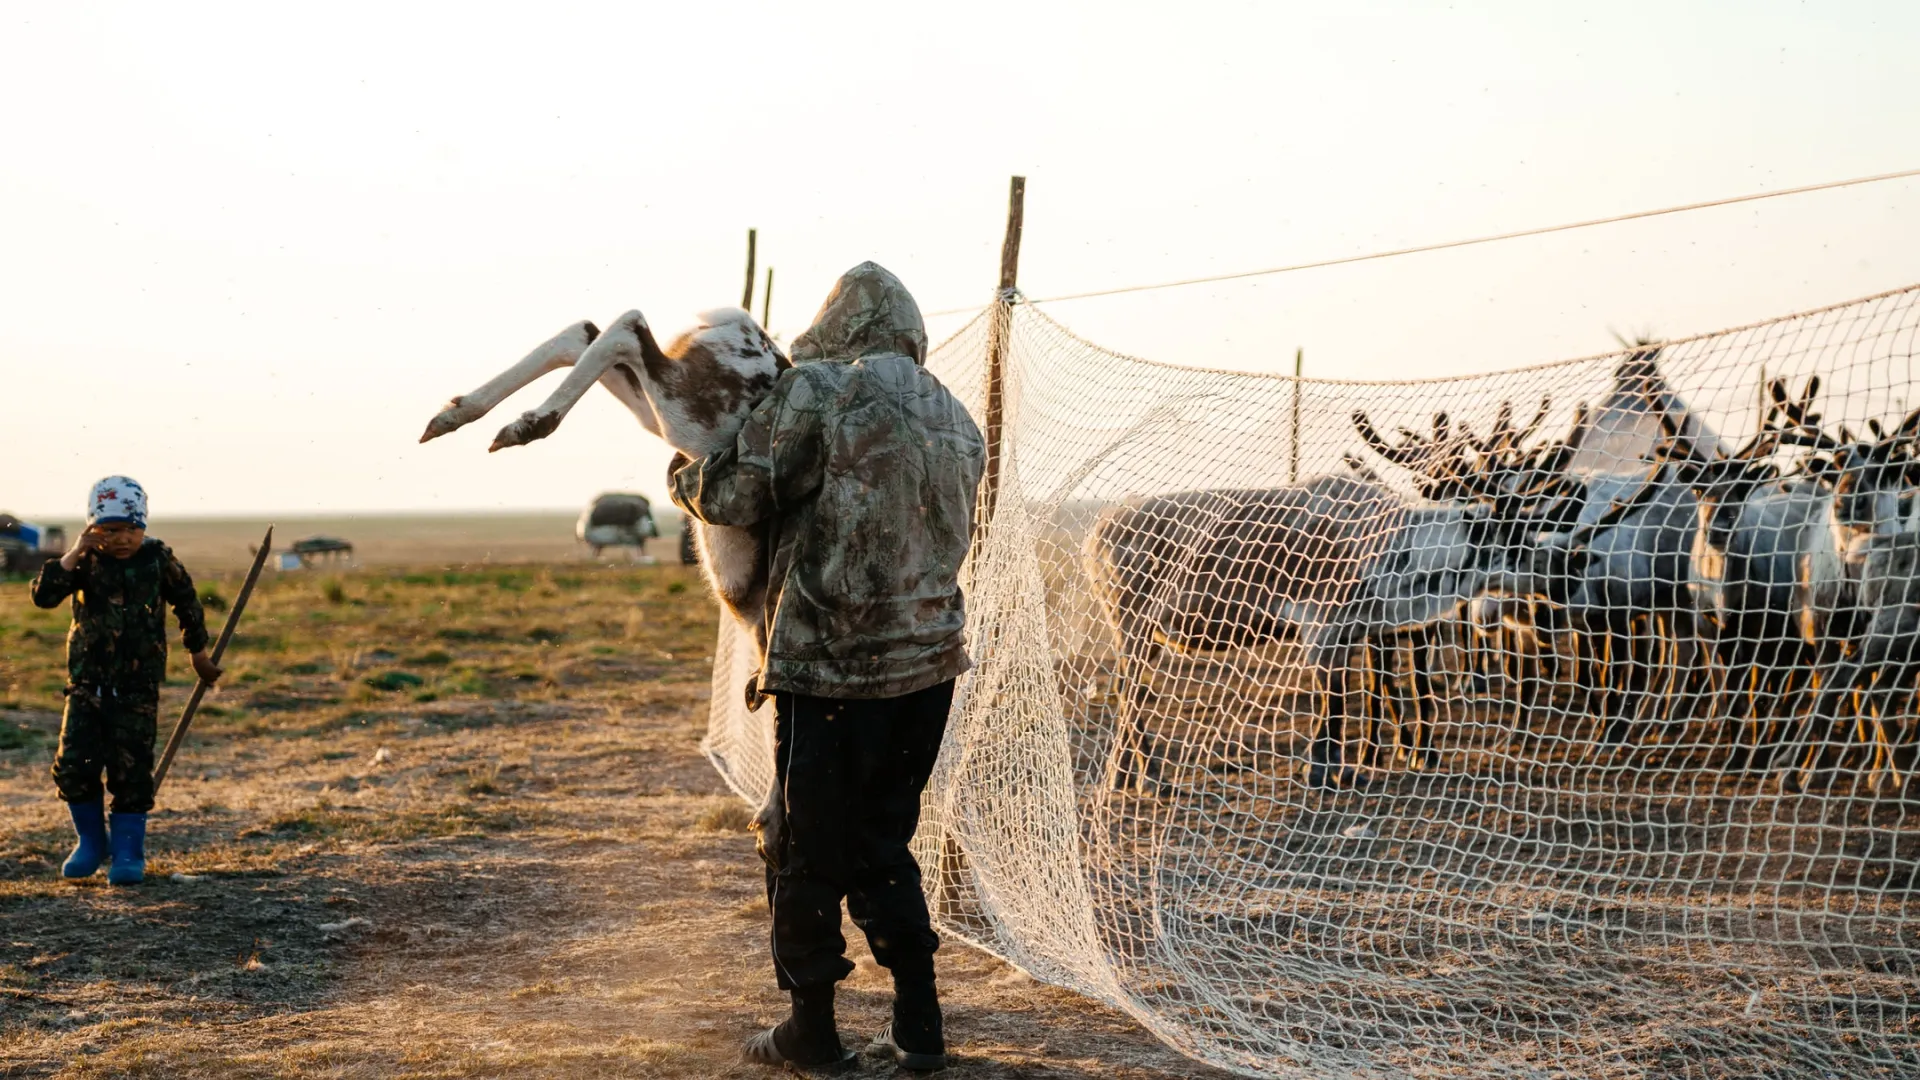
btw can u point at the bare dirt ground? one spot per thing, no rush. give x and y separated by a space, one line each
436 824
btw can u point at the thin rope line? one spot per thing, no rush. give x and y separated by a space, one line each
1437 380
1829 185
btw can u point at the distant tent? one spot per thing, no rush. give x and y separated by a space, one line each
1622 435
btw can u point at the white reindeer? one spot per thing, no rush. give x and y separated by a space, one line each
694 394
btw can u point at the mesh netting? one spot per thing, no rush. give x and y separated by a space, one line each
1385 729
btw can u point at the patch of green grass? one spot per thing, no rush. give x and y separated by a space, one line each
211 599
393 680
259 642
465 682
432 658
506 580
17 736
546 635
305 667
333 591
676 587
467 633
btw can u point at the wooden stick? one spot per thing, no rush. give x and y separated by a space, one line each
219 649
1299 370
953 873
746 298
766 303
999 333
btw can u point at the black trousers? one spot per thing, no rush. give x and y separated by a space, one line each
853 772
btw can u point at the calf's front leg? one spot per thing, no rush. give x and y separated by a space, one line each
619 344
562 350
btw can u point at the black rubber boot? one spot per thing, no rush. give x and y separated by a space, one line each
806 1039
915 1039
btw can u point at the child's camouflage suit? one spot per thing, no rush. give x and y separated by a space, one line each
116 659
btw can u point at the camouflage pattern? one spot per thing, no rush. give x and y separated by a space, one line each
865 469
103 730
118 641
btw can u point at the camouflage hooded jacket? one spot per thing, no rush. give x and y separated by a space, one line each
865 469
119 635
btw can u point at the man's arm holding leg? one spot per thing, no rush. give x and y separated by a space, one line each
777 460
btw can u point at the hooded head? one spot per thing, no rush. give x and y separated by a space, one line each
868 313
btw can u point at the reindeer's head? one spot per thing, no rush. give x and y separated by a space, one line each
1871 477
1522 506
1551 560
1520 500
1723 481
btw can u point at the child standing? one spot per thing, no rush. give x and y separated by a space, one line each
120 581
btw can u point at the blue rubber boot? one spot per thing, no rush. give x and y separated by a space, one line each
129 850
90 824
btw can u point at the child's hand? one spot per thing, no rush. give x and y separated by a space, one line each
205 668
88 540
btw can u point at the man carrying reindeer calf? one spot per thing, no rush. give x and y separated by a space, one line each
862 469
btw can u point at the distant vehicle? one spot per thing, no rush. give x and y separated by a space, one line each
316 547
24 545
617 519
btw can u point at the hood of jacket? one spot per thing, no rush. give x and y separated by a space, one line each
868 313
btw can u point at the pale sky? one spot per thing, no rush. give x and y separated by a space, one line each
247 250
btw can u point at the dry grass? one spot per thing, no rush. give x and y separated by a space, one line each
440 823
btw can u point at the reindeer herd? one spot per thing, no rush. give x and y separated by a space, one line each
1772 590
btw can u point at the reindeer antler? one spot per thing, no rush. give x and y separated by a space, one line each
1503 436
1533 427
1910 426
1409 453
1436 455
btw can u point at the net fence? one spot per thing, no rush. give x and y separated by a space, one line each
1552 722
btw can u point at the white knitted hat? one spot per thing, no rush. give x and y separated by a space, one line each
117 498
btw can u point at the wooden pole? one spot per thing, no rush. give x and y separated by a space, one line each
953 881
1299 372
219 650
766 302
999 331
746 298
